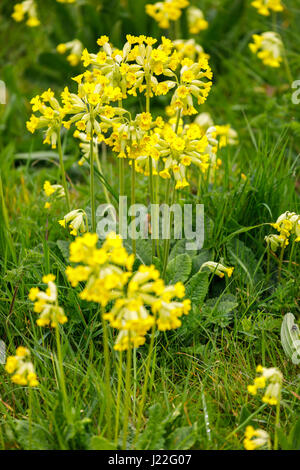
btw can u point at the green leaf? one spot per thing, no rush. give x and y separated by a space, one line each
197 288
63 246
244 260
219 311
182 438
179 268
198 260
100 443
152 438
179 249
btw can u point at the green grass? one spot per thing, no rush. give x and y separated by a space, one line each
198 387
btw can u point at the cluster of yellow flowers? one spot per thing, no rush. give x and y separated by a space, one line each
225 134
166 11
264 6
217 268
51 116
256 439
108 274
268 47
196 20
76 221
74 49
21 368
178 150
169 11
114 75
26 9
287 224
271 379
46 304
188 48
52 191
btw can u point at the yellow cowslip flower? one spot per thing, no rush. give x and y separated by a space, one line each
139 300
287 224
218 268
264 6
275 241
51 116
90 108
74 48
146 288
85 146
66 1
52 191
196 20
195 82
166 11
100 267
76 221
268 47
134 68
46 304
189 49
256 439
133 140
270 379
178 150
26 8
21 368
225 134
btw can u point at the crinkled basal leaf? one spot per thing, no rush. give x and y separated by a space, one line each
290 338
197 288
243 259
179 268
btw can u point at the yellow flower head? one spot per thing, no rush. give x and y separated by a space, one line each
21 368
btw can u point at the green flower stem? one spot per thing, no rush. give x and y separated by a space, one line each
287 66
133 200
120 377
107 375
291 254
2 443
167 244
92 179
127 395
5 222
61 374
167 197
268 263
121 185
145 386
121 193
99 166
30 416
280 262
151 185
277 418
62 170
